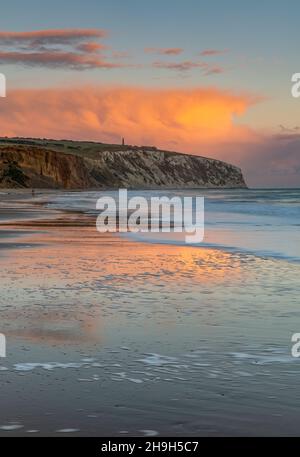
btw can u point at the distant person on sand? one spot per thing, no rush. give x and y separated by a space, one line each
33 192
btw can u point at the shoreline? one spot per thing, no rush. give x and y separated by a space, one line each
19 210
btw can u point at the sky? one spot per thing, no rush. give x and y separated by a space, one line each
207 78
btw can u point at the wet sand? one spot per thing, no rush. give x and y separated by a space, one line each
110 337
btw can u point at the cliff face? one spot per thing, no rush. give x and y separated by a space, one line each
144 168
30 165
41 168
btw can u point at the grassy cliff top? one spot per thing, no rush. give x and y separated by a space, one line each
89 149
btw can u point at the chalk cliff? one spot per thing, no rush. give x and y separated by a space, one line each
82 165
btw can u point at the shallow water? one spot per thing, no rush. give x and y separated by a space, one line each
263 222
110 336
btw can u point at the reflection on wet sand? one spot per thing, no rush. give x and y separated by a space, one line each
82 264
52 327
107 335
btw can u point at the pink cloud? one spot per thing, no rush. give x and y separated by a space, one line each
55 49
59 36
213 52
164 51
91 47
187 65
266 159
56 59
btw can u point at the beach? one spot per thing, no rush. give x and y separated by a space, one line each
115 335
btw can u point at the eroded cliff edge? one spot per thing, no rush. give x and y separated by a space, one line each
82 165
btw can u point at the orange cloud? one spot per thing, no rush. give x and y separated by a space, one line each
182 119
199 121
